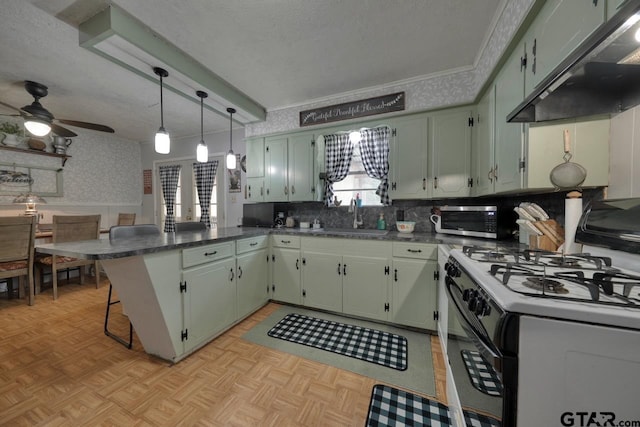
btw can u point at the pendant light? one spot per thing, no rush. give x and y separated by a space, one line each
202 152
231 157
163 142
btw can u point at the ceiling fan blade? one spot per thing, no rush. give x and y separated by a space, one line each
12 107
60 131
93 126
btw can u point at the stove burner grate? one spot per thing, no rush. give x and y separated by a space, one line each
545 285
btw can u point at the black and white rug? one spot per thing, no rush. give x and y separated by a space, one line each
392 407
482 375
366 344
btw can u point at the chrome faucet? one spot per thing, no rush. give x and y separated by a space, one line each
353 207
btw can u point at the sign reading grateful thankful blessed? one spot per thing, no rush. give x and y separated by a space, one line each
352 110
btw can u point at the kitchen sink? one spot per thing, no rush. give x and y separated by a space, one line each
358 231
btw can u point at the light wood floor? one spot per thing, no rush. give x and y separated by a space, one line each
58 368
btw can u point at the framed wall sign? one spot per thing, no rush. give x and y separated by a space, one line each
354 109
17 179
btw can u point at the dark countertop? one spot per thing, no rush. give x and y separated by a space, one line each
104 249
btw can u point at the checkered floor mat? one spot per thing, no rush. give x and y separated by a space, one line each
371 345
392 407
482 375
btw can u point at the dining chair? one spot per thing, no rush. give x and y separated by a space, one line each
126 218
69 228
190 226
17 237
115 233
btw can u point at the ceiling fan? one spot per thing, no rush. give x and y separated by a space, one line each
35 112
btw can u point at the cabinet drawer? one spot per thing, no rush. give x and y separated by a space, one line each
285 241
252 244
206 253
415 250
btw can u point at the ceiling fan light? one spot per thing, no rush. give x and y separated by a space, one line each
231 160
202 152
163 142
37 127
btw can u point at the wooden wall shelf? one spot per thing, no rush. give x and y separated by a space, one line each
64 157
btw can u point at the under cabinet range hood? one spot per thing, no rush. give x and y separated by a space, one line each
602 76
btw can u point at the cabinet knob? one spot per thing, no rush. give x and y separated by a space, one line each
293 189
239 272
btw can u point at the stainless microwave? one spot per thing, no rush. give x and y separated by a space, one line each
489 222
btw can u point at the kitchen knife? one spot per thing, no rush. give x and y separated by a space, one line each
541 212
524 214
529 226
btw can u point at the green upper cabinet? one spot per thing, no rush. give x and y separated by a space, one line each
451 153
612 7
482 144
509 92
254 188
301 167
558 29
255 157
289 168
408 158
275 159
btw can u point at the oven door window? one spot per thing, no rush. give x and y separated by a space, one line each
478 385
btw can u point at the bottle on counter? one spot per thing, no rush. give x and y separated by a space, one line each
381 225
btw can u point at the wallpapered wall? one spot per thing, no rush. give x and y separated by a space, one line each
431 92
103 176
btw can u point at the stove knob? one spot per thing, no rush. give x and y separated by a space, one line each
481 304
465 294
487 310
473 303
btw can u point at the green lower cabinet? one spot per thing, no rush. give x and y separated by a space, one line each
209 301
365 285
413 292
252 286
285 270
322 280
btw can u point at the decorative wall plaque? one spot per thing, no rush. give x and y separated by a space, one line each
147 181
354 109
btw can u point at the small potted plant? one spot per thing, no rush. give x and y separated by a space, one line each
12 133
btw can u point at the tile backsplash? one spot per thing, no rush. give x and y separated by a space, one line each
420 210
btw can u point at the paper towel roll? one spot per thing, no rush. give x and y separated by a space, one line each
572 214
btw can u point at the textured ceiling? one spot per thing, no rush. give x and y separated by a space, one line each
278 52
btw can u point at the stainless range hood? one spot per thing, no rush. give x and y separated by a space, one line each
602 76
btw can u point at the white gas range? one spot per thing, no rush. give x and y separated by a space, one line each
537 338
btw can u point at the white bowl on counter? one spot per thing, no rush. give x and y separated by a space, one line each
405 226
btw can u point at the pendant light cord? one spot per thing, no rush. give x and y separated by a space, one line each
161 105
201 119
230 130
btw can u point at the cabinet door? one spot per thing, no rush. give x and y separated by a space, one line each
451 142
413 289
560 27
482 145
252 286
408 159
301 171
209 301
322 280
365 286
255 157
255 190
286 275
509 137
275 152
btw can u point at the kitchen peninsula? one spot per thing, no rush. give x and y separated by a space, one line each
181 290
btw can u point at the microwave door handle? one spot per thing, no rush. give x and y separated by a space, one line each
478 337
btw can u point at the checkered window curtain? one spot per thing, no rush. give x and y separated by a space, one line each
338 153
374 150
169 176
205 178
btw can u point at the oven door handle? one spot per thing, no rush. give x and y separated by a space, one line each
478 336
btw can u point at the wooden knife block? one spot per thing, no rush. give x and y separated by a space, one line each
541 242
552 238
